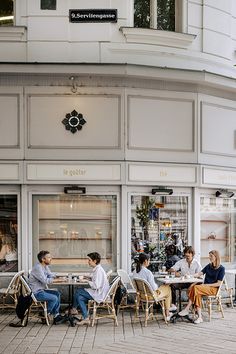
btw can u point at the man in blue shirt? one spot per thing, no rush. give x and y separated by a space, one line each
39 279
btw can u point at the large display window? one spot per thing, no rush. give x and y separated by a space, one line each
218 229
8 233
71 226
157 222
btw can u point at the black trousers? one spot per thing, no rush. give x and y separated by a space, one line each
179 287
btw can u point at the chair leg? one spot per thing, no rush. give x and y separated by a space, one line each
163 311
94 314
220 307
146 313
209 306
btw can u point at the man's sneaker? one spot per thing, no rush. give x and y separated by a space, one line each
169 317
198 320
173 308
184 312
58 319
84 322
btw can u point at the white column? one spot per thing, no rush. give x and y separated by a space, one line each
153 13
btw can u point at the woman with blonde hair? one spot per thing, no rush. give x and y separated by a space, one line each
214 274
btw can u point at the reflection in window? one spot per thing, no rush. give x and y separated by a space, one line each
156 223
158 14
6 13
218 217
48 4
72 226
8 233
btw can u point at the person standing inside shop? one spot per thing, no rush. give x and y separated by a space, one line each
39 279
186 266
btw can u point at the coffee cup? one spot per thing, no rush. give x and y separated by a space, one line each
167 276
163 269
81 277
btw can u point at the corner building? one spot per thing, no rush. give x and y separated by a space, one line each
102 120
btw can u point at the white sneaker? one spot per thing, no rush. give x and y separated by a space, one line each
169 317
173 308
184 312
198 320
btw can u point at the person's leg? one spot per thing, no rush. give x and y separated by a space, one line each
81 299
165 291
51 299
57 305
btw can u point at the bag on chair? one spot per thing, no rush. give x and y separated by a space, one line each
22 309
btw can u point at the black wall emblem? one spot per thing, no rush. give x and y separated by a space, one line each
74 121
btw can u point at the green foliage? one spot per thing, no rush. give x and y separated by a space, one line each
142 212
165 14
142 13
6 7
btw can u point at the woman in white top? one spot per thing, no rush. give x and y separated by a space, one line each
98 290
8 255
142 272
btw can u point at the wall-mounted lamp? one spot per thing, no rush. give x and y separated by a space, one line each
73 84
74 190
162 191
224 193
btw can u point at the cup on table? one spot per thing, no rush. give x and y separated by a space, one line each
75 279
167 276
81 277
163 269
69 277
187 276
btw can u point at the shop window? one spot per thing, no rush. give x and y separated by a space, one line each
8 233
6 13
72 226
48 4
218 228
158 222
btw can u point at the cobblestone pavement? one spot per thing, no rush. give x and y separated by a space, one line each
217 336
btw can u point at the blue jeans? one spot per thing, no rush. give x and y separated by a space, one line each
53 299
81 299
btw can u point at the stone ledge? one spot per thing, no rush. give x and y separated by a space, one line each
12 34
157 37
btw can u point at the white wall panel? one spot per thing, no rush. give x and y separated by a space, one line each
224 5
90 32
217 44
216 20
160 124
46 112
48 28
233 29
49 52
9 121
218 129
194 15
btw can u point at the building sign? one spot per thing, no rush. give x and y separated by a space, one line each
97 15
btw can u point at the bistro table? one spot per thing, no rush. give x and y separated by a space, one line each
71 283
168 280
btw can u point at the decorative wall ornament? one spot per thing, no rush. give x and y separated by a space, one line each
74 121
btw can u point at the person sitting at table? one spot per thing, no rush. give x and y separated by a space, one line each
39 279
98 290
214 274
141 272
186 266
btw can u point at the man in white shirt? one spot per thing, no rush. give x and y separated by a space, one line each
186 266
98 290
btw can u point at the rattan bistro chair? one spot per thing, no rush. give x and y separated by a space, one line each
147 298
37 309
11 292
130 291
217 299
107 306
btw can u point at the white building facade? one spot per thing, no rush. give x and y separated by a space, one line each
139 123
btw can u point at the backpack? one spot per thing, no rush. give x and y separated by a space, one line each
22 308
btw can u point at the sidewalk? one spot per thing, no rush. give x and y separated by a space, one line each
217 336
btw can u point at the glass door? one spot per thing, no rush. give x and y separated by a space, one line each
157 222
